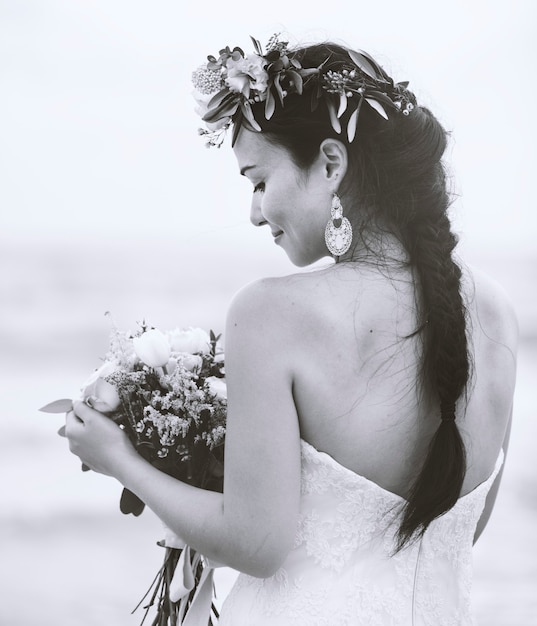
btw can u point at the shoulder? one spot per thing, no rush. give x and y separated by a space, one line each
493 309
493 329
259 294
277 318
269 303
258 331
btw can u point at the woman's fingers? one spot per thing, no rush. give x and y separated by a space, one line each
72 428
82 410
72 421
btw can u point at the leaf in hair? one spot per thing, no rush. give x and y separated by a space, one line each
364 64
236 127
249 116
378 107
278 88
378 95
237 53
217 99
308 72
333 117
270 105
381 74
277 66
342 104
297 80
257 46
353 122
227 108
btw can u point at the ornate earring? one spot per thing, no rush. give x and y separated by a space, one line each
338 238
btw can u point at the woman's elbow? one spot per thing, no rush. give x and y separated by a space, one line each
263 564
264 558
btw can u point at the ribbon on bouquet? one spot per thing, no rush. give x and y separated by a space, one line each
183 581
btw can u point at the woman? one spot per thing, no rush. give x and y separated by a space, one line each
369 402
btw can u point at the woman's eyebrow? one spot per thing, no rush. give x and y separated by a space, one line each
246 168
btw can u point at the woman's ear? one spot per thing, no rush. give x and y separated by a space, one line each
334 161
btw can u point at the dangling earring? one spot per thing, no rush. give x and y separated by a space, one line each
338 238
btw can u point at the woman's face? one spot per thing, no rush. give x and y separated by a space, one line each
293 203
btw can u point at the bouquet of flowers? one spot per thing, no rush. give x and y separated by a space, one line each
167 391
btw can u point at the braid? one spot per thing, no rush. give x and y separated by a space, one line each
416 203
445 372
395 169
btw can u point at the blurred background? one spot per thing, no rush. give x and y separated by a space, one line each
109 201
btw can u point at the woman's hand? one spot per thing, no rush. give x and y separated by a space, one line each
95 439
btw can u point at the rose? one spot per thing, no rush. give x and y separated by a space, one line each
100 394
191 341
217 386
152 348
247 73
192 362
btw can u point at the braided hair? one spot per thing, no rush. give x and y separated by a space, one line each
395 169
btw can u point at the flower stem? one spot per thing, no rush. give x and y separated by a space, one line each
171 564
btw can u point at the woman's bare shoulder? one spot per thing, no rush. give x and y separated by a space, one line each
492 308
272 298
494 340
263 314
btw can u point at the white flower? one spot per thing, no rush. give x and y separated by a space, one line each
207 81
202 100
152 348
171 366
246 74
100 394
192 362
217 386
191 341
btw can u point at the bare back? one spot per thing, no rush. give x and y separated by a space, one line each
356 366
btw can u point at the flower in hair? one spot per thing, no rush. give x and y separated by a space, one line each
247 75
228 86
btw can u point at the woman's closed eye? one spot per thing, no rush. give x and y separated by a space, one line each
260 187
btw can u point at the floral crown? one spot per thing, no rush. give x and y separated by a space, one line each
229 85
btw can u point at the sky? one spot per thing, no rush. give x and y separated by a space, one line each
99 136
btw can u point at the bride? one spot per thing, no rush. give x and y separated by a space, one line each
369 400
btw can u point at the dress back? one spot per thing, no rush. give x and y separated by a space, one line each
343 569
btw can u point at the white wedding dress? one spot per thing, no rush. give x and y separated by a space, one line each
341 571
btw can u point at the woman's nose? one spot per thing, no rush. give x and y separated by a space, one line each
256 216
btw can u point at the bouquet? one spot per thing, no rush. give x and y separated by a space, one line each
167 391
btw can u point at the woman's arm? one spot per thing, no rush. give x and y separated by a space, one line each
251 527
498 324
491 496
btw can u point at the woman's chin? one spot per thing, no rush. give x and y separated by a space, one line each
301 259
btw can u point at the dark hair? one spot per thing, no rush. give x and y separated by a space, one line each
396 171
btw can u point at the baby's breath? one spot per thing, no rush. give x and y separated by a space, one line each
207 81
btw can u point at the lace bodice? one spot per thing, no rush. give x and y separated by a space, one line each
342 570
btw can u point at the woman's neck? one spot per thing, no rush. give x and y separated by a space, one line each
378 246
